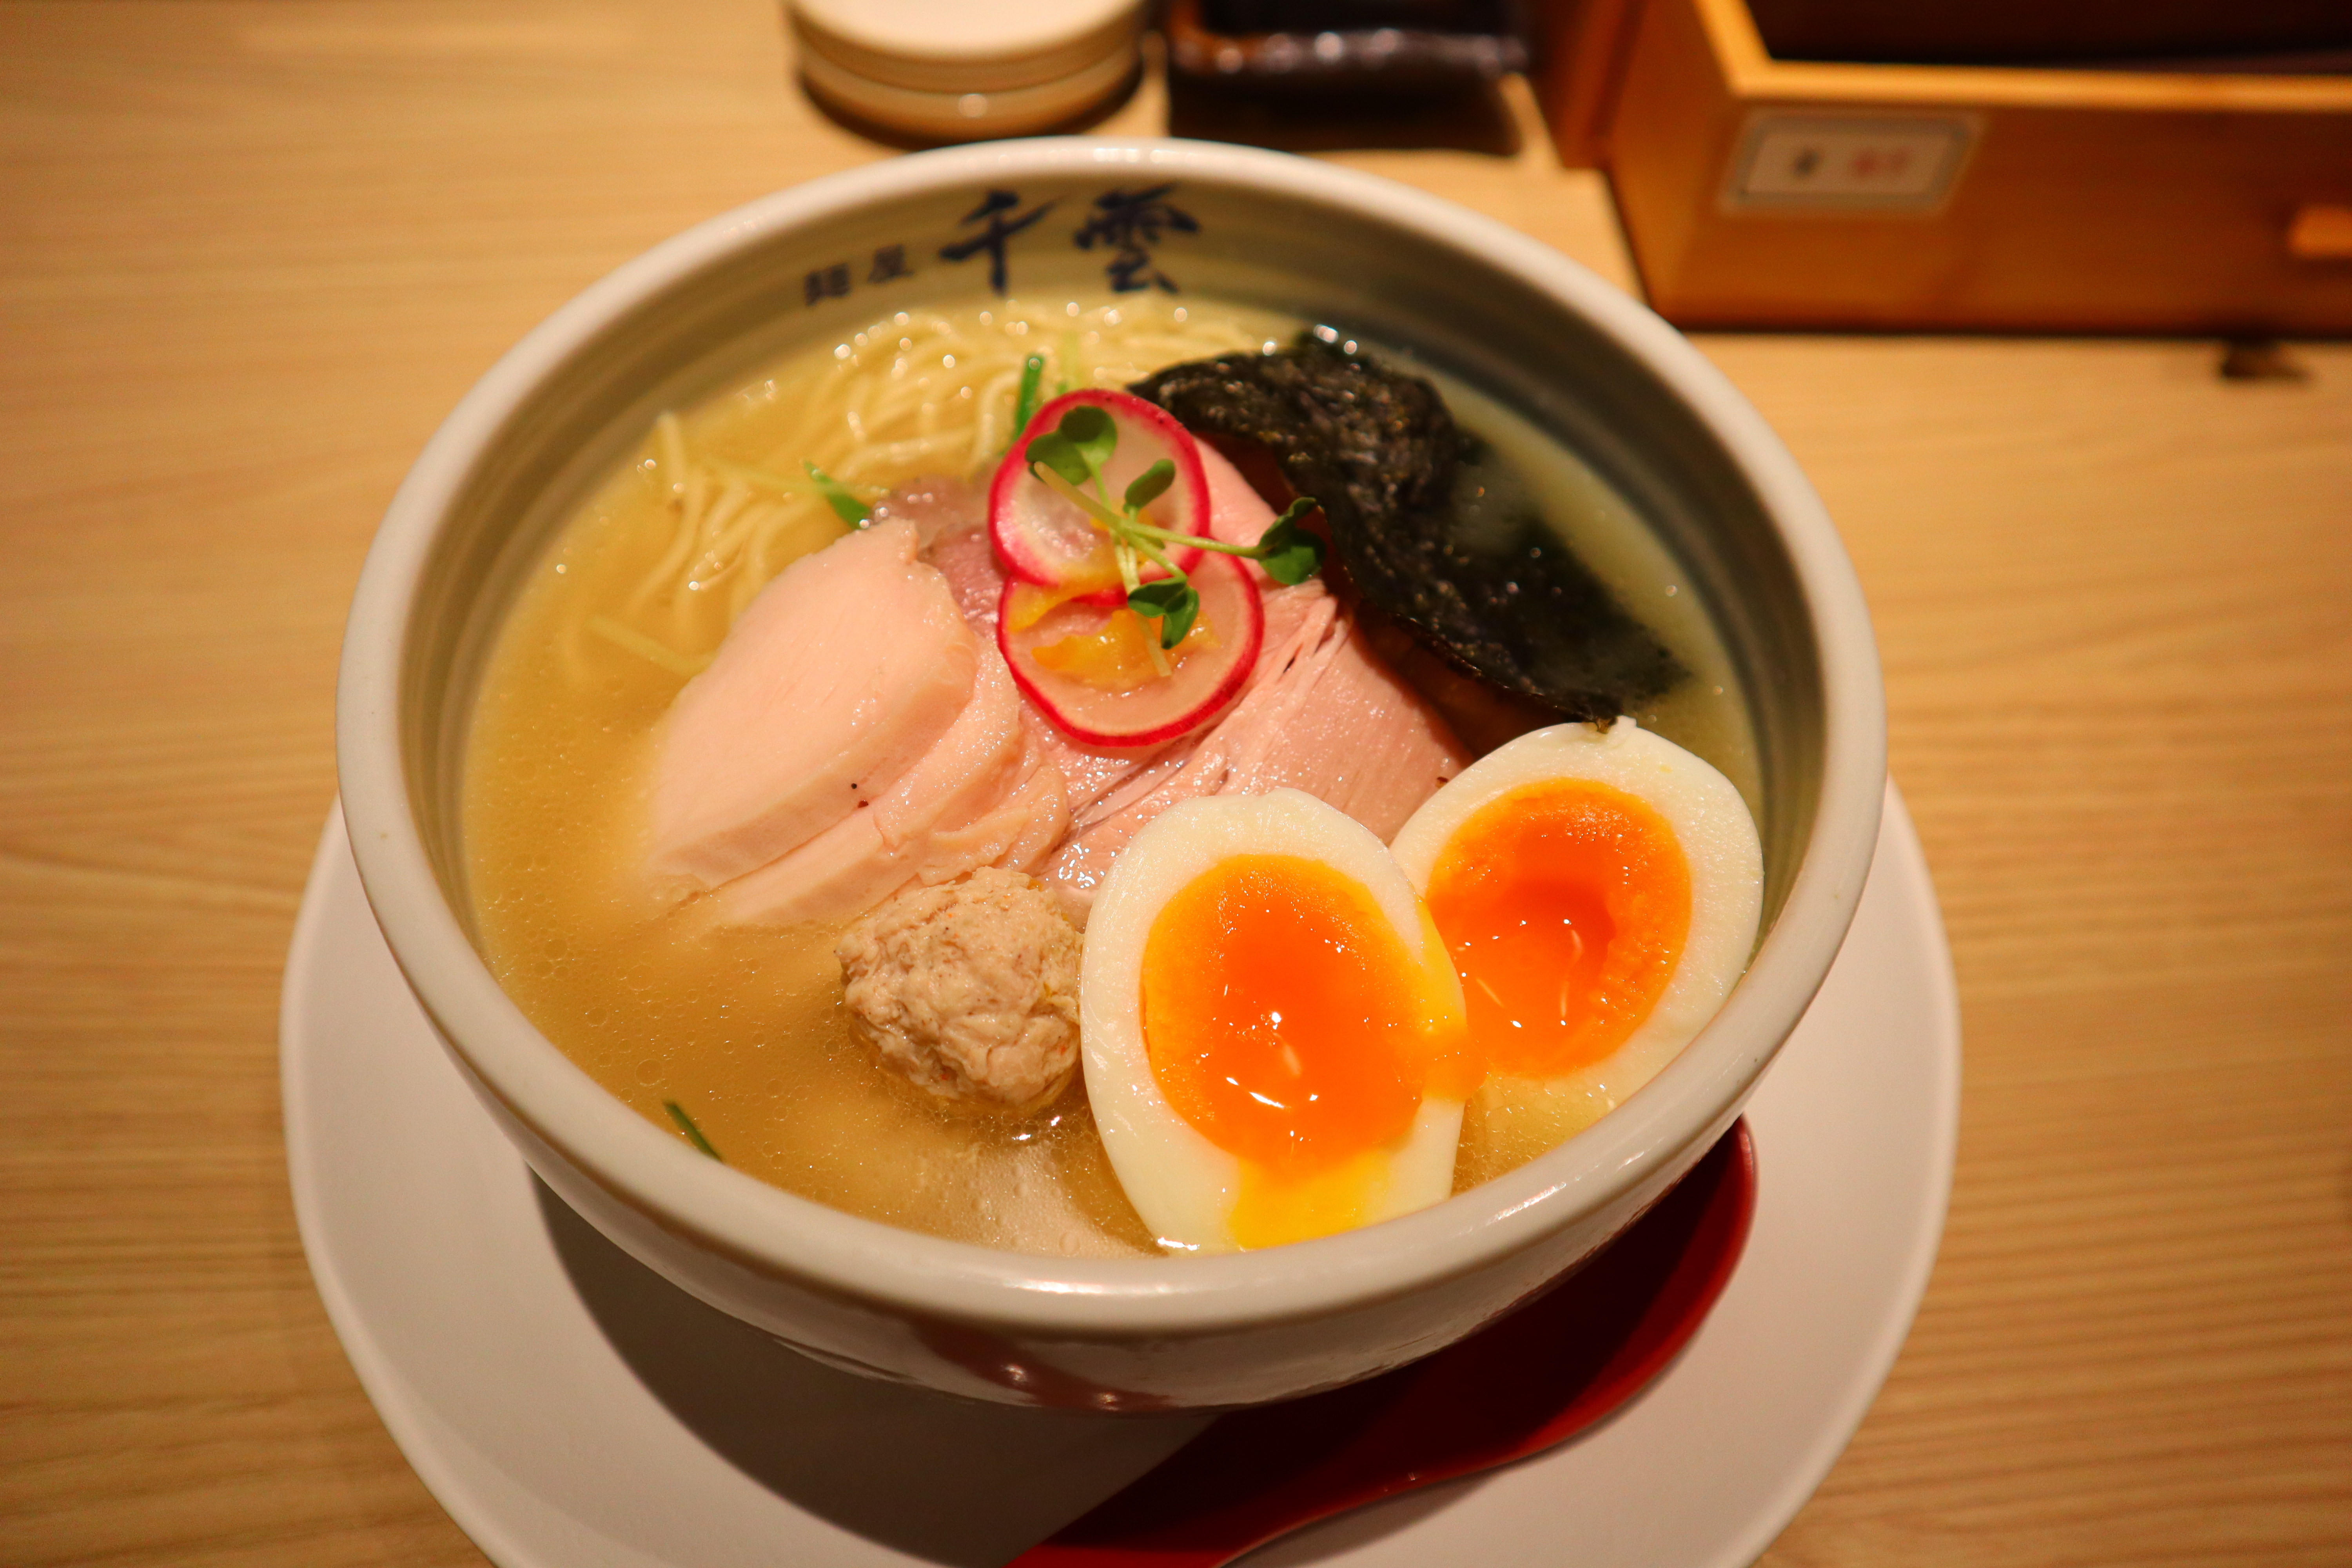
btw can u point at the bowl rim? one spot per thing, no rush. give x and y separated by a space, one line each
781 1234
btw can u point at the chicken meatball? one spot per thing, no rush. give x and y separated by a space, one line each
969 988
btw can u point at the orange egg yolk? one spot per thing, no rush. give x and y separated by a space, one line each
1286 1019
1565 905
1117 655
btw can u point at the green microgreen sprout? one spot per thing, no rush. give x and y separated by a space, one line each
1073 455
1057 453
839 496
1289 554
1024 406
1174 601
1093 433
1149 485
693 1133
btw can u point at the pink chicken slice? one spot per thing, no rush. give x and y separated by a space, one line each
1295 622
848 868
1238 514
844 672
972 800
1322 714
1014 833
976 762
1361 739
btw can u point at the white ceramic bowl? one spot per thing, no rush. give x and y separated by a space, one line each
1323 242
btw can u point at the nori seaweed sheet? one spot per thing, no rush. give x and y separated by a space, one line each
1378 448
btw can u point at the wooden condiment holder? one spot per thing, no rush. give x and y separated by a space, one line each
1762 192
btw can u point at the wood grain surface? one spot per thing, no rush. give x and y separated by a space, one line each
251 250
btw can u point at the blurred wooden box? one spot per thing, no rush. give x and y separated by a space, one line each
1761 191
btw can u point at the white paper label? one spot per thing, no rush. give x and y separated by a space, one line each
1843 163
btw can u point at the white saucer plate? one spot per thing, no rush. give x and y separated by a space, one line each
571 1409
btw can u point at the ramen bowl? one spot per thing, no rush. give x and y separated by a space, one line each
1588 365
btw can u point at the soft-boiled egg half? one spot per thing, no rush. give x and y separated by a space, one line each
1273 1036
1598 891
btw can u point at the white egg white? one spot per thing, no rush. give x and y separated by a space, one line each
1182 1186
1522 1117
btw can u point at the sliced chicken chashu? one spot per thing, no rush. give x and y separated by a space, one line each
1321 713
848 868
843 673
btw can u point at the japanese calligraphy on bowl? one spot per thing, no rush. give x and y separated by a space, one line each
1126 226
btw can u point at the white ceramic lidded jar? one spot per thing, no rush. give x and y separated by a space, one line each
951 70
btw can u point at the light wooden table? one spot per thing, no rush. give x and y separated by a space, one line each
250 252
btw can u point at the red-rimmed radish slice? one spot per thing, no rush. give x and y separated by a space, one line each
1206 673
1040 536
